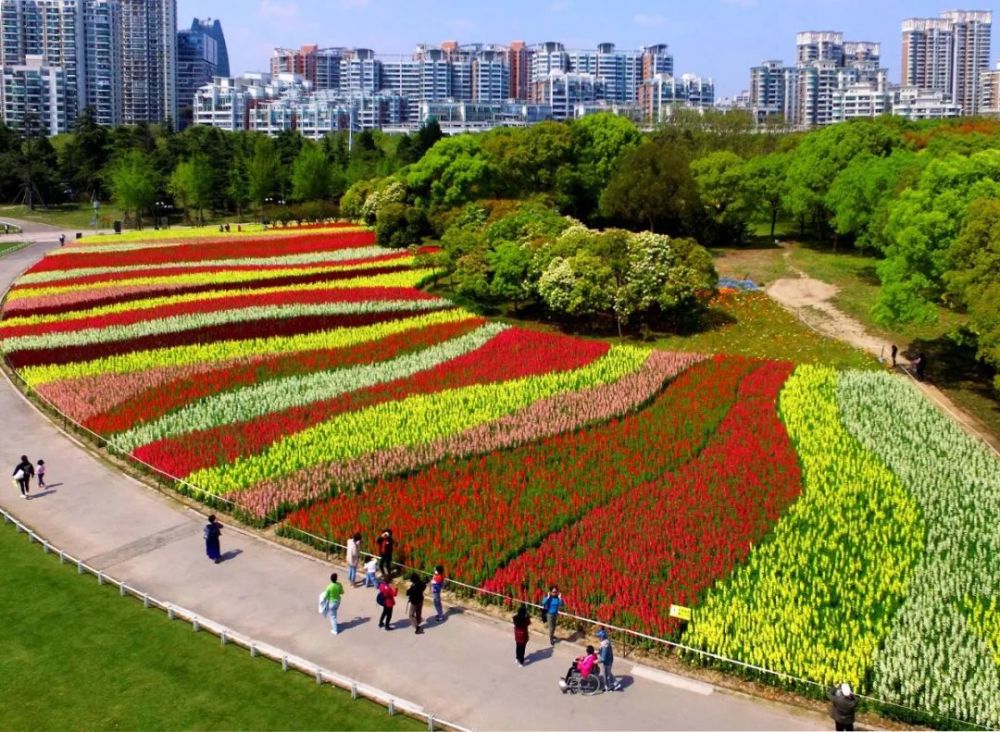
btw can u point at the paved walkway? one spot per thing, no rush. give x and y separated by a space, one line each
462 669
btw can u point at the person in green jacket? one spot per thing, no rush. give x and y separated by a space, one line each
334 591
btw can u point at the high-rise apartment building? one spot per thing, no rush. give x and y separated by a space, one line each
948 54
34 97
199 57
149 60
519 66
768 90
103 58
52 31
213 29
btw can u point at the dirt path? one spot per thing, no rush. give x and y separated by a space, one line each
810 300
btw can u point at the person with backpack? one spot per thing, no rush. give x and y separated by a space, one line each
415 602
385 596
385 544
23 473
551 606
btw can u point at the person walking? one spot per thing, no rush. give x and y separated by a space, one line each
606 655
40 473
386 597
385 544
551 606
843 703
415 602
23 472
62 240
437 584
353 557
333 592
895 352
521 622
371 567
213 531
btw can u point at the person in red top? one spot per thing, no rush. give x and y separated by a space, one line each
388 597
521 623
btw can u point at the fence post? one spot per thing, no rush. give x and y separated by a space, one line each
430 723
354 690
170 612
253 650
195 625
145 599
222 638
121 589
319 677
79 567
45 547
284 663
100 578
62 557
392 707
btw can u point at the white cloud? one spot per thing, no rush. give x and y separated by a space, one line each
278 10
648 19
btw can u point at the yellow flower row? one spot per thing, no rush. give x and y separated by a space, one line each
128 363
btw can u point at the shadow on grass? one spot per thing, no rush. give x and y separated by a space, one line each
952 364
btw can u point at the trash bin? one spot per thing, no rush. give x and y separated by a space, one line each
118 227
79 235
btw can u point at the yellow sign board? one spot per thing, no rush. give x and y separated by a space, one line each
679 611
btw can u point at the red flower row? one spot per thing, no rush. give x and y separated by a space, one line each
200 251
71 300
667 541
476 514
218 268
163 398
511 355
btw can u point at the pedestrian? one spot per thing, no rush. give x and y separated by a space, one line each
551 606
40 473
23 473
895 351
606 655
333 592
62 240
386 597
437 584
385 544
415 602
921 366
842 706
521 622
371 566
227 228
353 557
213 529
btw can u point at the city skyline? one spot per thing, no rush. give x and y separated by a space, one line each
753 30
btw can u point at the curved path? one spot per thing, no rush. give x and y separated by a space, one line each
462 669
811 301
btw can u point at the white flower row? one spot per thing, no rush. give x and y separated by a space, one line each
179 323
934 658
269 397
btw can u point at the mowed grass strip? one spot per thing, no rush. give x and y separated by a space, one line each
78 656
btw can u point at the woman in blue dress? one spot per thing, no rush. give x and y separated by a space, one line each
212 531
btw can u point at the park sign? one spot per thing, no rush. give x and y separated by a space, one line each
682 612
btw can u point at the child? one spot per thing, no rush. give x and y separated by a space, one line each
40 473
437 584
371 566
585 664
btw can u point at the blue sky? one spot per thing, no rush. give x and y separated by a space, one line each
717 38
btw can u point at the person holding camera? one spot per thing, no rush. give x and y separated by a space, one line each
551 606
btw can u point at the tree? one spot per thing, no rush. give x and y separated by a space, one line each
193 186
509 263
599 142
722 184
86 155
666 276
237 187
263 170
973 278
452 172
651 189
311 174
765 182
398 225
923 224
134 183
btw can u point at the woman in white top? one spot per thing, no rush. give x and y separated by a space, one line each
353 557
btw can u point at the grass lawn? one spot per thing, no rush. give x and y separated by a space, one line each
69 216
9 246
78 656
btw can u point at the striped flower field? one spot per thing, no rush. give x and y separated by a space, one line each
302 376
